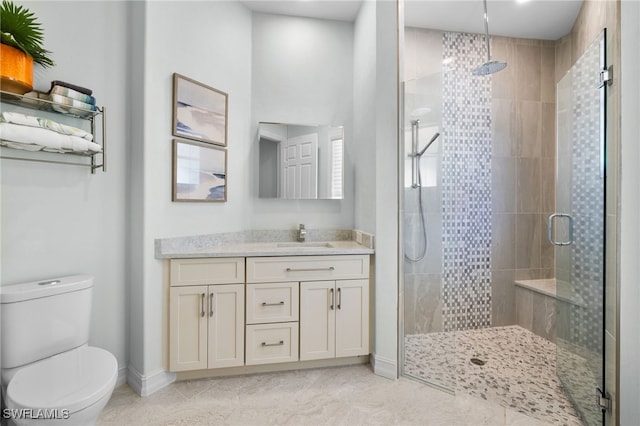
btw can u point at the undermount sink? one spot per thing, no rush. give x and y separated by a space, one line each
304 245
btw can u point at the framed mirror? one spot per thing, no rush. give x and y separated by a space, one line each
300 162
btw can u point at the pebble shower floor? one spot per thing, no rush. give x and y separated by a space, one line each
519 369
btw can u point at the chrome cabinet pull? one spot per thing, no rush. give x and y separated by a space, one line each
202 313
330 268
552 220
332 299
272 304
339 298
280 343
211 305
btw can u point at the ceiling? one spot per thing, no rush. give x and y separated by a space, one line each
339 10
539 19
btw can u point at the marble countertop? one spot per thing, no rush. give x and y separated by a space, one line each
251 243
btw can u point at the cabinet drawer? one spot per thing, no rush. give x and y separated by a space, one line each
306 268
271 343
207 271
272 302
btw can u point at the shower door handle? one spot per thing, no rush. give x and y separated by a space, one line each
552 220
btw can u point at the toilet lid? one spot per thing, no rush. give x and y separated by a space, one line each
72 380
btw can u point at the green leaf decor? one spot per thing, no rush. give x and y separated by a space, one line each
19 28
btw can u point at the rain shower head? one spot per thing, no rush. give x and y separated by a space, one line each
490 66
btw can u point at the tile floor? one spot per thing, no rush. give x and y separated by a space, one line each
519 370
330 396
516 386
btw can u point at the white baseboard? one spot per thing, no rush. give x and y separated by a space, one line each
384 367
122 376
145 385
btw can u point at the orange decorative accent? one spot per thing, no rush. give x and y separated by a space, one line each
16 70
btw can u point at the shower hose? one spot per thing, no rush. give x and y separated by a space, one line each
422 223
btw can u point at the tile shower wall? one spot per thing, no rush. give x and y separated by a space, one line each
522 183
523 111
466 186
587 268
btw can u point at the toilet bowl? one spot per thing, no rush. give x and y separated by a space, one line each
67 389
49 374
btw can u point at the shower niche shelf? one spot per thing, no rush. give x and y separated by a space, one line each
92 121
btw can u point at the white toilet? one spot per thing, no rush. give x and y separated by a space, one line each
49 374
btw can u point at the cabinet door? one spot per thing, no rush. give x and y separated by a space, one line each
352 318
317 320
226 325
188 328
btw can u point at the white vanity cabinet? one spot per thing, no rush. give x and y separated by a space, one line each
334 300
206 313
250 312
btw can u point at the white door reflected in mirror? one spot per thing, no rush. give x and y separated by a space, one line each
300 162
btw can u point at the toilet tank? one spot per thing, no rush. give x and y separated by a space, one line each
44 318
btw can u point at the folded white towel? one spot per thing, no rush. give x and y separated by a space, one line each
17 145
45 138
44 123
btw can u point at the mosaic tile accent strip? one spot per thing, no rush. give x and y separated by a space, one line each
519 370
587 202
466 181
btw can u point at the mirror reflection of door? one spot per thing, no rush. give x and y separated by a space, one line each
269 167
300 167
300 161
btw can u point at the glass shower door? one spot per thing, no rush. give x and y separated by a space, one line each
578 232
428 351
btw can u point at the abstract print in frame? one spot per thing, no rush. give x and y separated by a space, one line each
199 172
199 111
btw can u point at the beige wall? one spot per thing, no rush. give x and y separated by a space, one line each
523 169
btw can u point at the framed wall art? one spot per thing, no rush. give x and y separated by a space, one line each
199 172
199 111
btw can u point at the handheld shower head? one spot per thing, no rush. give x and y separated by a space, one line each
415 155
433 139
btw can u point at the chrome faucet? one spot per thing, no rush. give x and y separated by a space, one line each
302 233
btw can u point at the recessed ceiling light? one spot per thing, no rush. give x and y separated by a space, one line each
522 1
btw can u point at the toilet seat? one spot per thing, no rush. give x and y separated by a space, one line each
72 381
